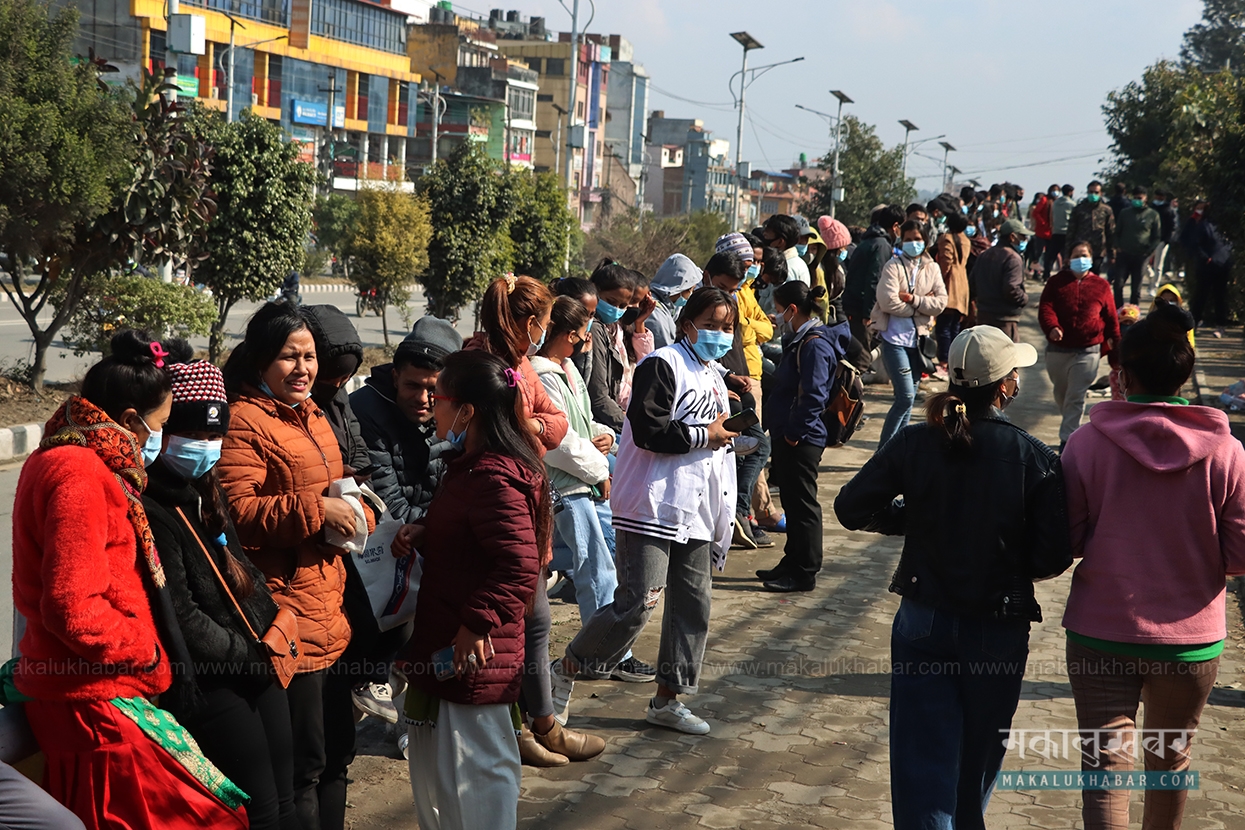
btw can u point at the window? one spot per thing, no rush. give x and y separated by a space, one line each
544 98
361 98
555 66
533 63
359 23
267 11
274 80
522 103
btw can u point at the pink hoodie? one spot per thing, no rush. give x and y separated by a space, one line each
1156 504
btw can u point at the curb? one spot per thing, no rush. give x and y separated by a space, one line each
19 441
325 287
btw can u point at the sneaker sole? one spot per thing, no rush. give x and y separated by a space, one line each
632 677
686 731
390 716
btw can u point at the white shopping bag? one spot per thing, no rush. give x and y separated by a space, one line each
392 584
348 490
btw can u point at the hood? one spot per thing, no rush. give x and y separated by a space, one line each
676 275
334 334
1167 287
1162 437
874 232
545 366
381 380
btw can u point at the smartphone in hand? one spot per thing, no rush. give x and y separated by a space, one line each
744 420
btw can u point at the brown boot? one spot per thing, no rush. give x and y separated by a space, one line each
574 745
534 755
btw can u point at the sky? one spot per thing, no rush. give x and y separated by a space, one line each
1017 88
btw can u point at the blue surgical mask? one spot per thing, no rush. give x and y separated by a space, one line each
1158 202
457 439
533 348
964 209
679 302
754 271
712 345
189 458
843 255
608 313
1080 264
1021 245
267 390
802 250
971 231
589 329
913 249
151 447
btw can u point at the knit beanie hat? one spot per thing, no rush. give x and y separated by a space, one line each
834 233
735 243
199 402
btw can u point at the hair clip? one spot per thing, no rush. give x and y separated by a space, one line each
509 278
512 378
158 354
961 409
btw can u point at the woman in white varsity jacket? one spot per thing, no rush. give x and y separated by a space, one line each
673 499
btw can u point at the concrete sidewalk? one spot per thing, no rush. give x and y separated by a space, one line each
796 689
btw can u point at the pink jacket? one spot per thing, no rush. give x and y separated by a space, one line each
1156 504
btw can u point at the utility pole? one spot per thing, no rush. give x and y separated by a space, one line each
946 151
573 79
330 144
748 42
557 139
836 180
436 114
908 128
229 72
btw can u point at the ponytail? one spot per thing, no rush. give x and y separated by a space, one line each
507 304
954 411
810 301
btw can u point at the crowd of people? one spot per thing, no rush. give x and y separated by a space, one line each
199 636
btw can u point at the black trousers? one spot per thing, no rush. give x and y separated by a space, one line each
794 470
249 740
1129 269
323 722
1054 249
1209 304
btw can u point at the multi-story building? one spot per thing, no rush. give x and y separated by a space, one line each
295 62
517 85
687 170
627 111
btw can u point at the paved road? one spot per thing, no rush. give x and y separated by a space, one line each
17 345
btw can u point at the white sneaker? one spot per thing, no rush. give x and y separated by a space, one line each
745 444
375 699
404 745
674 715
562 686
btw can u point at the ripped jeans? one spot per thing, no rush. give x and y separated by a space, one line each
647 568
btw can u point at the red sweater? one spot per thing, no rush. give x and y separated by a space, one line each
89 630
1084 308
1041 218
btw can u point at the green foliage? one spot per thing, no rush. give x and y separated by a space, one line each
1218 42
263 218
1141 119
115 302
540 226
872 175
334 220
389 245
644 247
471 203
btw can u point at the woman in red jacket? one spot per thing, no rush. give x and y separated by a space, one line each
481 544
514 316
1077 315
86 576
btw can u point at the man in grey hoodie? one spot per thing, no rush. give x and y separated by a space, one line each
676 279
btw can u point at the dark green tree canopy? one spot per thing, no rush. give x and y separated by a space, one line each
872 175
1218 42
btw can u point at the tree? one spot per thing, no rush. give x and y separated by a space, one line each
389 246
82 170
540 227
334 220
1142 120
263 218
1218 42
872 175
470 202
645 247
115 302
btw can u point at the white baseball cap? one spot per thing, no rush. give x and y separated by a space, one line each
984 354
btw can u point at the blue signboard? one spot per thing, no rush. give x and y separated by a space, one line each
314 112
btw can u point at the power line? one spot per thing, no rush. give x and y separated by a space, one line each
1027 138
1024 166
724 107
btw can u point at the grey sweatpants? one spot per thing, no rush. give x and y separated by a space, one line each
647 568
1071 372
25 806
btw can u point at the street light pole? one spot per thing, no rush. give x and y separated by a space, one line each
836 181
908 128
573 84
748 42
946 151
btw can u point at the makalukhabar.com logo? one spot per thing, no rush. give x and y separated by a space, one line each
1096 780
1107 756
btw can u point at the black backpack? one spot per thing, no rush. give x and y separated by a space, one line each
846 409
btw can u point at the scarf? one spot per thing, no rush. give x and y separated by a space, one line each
81 423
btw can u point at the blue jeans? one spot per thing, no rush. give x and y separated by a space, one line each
584 542
748 469
900 362
955 682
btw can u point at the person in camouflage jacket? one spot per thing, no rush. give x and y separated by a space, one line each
1092 221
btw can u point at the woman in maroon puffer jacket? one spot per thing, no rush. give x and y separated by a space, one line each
481 544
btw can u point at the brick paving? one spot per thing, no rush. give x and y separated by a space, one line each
796 689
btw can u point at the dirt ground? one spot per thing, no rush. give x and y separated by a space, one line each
19 405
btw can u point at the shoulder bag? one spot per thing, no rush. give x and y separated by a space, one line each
280 642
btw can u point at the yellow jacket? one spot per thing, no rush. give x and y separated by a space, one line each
757 329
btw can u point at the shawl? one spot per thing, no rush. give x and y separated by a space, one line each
81 423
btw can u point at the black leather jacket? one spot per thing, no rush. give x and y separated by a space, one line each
979 526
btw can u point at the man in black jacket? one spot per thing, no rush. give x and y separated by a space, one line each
998 280
863 269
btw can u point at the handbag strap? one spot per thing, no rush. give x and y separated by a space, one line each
212 561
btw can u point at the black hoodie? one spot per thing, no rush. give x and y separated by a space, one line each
336 337
860 287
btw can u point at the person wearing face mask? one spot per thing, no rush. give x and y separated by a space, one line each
1212 253
1092 221
864 269
278 460
227 699
673 498
1040 216
1139 230
1164 207
101 636
910 295
783 232
675 281
1078 316
1060 212
482 543
951 253
837 240
604 368
998 280
980 503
